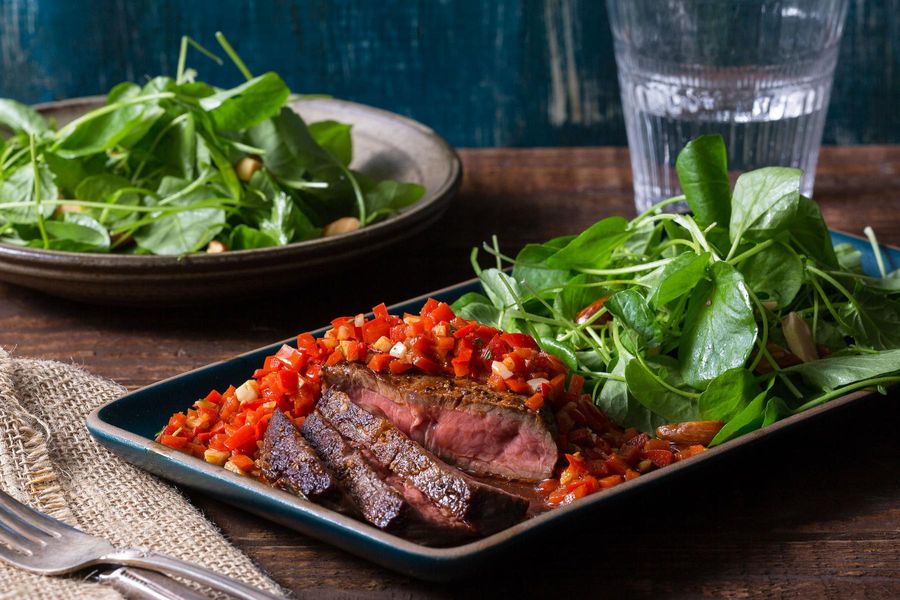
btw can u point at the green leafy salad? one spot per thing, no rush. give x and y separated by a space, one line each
176 166
742 313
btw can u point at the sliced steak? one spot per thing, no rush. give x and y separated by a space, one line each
462 421
421 474
377 500
288 461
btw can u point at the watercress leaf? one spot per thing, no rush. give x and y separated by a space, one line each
483 313
749 419
20 187
178 147
531 271
248 104
96 188
174 233
287 223
551 345
20 117
702 168
77 232
577 294
874 319
244 237
622 407
68 173
593 247
848 258
385 197
110 188
105 131
642 238
503 290
764 202
727 395
477 307
177 233
559 241
719 328
631 309
830 373
291 153
776 409
810 235
660 400
334 137
679 277
775 273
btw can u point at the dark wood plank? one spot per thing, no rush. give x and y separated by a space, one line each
815 514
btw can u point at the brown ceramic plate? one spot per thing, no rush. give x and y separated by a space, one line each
386 145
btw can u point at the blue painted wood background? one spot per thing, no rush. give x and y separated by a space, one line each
483 73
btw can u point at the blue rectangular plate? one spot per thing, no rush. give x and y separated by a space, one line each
128 424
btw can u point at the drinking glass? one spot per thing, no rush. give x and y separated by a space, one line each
758 72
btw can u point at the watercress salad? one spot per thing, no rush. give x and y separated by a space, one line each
742 312
175 166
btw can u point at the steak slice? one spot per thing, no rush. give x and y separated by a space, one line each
289 462
484 508
460 420
378 502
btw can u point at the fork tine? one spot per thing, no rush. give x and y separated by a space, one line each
16 543
14 522
48 525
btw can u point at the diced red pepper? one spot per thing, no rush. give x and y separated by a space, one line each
660 458
379 362
242 462
291 357
535 402
173 441
519 340
427 365
243 440
398 366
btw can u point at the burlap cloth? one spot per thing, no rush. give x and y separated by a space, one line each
49 460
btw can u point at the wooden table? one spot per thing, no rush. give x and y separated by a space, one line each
815 514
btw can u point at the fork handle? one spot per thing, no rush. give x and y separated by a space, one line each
140 584
173 566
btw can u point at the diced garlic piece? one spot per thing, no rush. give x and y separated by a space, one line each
382 344
535 384
216 457
439 330
230 466
359 320
248 392
399 350
500 369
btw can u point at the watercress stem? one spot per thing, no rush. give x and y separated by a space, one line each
632 269
754 250
220 37
37 194
876 250
842 391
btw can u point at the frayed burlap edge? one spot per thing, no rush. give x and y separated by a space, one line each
49 461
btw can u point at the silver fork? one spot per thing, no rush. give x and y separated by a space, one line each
35 542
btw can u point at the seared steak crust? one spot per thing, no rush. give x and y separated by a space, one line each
288 461
483 507
461 420
378 502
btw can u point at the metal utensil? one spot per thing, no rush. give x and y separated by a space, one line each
35 542
140 584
